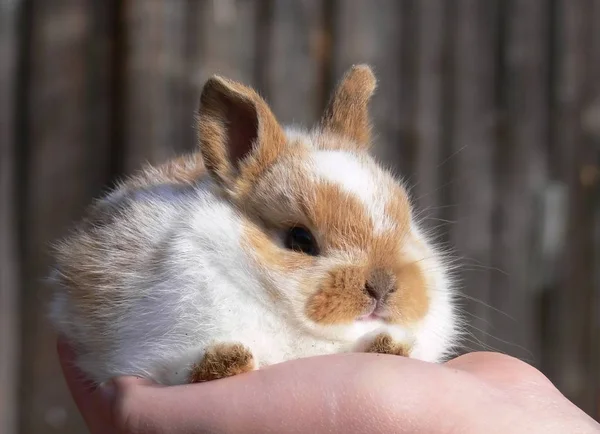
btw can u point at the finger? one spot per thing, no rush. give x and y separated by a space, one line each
95 403
338 393
85 388
499 369
72 374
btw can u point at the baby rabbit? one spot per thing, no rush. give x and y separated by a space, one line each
269 244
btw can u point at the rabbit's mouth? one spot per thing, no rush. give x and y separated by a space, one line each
376 313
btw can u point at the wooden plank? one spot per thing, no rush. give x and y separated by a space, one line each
376 32
472 150
297 44
589 221
9 266
172 48
431 79
593 130
228 40
152 31
572 303
223 37
521 177
595 326
67 163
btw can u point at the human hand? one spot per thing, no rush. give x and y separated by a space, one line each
342 393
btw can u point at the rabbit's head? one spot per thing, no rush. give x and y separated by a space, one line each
332 233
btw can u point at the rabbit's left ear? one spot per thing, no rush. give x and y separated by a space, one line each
239 135
347 113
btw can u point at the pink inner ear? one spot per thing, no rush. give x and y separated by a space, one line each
242 130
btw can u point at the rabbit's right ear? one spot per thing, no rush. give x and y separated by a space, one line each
239 135
347 113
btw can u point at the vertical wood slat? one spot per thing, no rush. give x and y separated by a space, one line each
472 155
67 164
171 49
432 22
588 222
226 42
595 323
229 40
152 60
592 123
521 176
9 267
572 306
220 38
355 41
295 60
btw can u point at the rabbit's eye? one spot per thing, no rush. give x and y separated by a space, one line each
301 240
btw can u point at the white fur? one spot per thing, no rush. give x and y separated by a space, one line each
199 287
206 291
355 177
437 333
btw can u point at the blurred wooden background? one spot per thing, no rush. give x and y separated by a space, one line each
491 108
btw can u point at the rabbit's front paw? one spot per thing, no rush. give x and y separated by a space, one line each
383 343
223 360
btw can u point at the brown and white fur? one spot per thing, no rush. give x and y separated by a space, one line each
182 273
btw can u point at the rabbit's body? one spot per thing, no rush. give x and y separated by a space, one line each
174 256
173 263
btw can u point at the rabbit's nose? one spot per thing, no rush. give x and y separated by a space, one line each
380 284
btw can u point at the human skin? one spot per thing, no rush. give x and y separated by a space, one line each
342 393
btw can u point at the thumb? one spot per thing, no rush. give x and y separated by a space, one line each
96 403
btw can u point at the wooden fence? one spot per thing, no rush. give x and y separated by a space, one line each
491 108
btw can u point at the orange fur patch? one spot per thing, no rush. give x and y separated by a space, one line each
221 361
340 298
341 219
340 223
347 113
411 300
384 344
